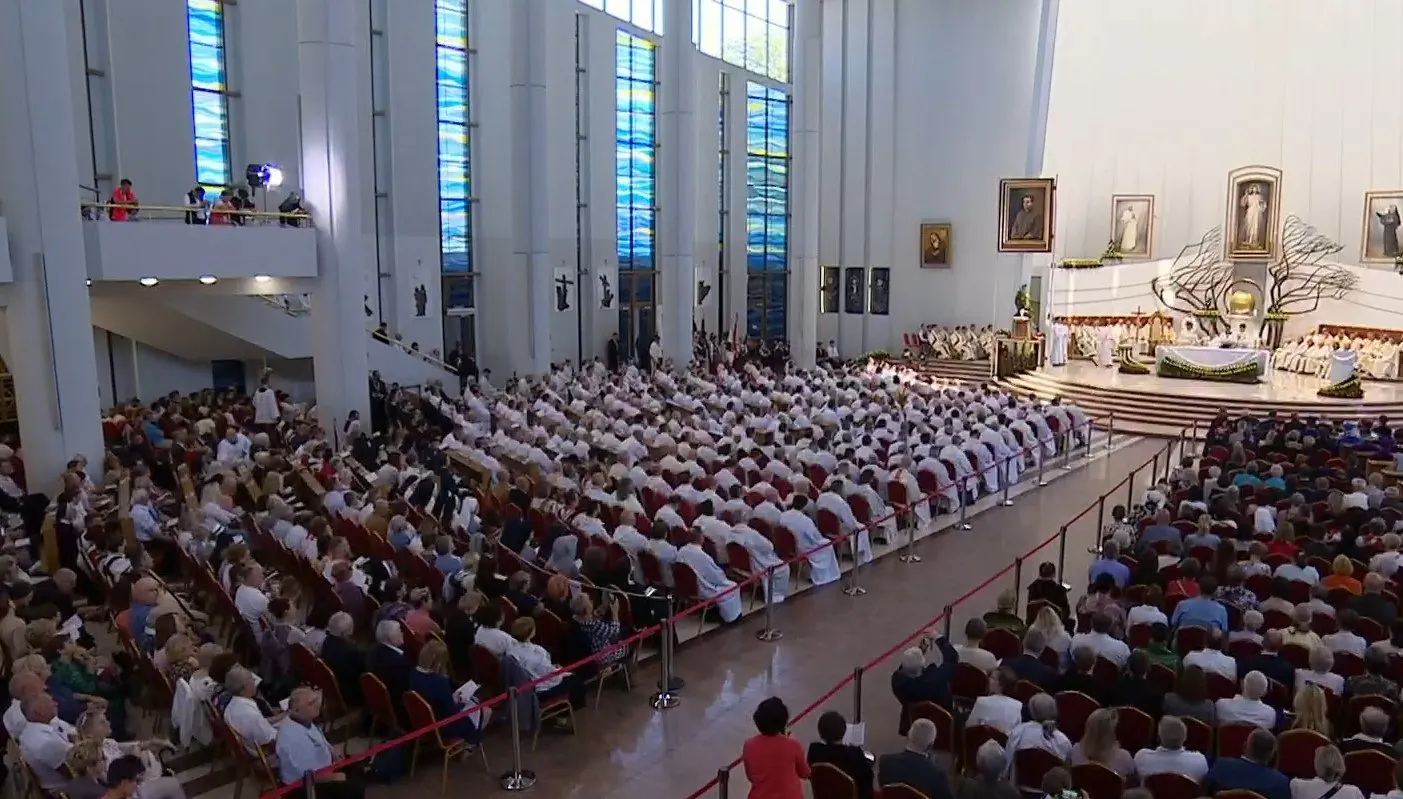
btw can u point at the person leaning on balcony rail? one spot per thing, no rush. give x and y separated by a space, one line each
123 203
196 206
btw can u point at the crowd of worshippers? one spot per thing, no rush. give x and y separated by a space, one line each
1249 604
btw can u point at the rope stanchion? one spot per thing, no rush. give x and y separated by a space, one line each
1100 516
518 779
1067 442
854 588
770 631
857 695
1130 488
309 785
1008 483
1062 553
723 783
910 556
1110 431
1017 577
1042 456
1154 470
1086 430
665 698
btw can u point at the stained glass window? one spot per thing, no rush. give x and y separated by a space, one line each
454 185
636 148
766 209
209 99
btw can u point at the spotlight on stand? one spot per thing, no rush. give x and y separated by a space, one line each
264 175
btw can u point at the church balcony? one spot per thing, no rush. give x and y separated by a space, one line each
158 244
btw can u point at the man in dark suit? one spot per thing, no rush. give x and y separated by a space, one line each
343 657
1251 772
1372 604
1134 688
1028 667
1080 678
914 766
1373 726
388 662
1047 588
1269 661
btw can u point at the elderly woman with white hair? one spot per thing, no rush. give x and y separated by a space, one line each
1322 660
1039 733
918 680
1328 780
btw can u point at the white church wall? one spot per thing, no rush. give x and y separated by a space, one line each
1166 99
925 106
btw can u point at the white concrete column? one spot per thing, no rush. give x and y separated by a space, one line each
48 321
677 181
531 223
804 113
327 37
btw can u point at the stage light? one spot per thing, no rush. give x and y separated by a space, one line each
261 278
260 175
90 282
148 281
208 280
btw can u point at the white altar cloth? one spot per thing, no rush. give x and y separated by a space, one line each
1215 357
1342 366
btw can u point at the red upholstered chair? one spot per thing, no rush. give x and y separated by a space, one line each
1031 765
1073 708
1219 687
899 790
968 683
1199 735
1003 643
1138 636
974 737
1025 690
1163 677
1297 655
1232 739
1168 785
1135 729
1370 770
1097 781
1357 704
379 704
829 782
1296 752
1190 639
943 721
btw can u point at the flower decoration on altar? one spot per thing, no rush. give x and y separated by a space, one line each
1130 366
1112 253
1349 388
1208 313
1274 316
1242 372
1080 263
1398 263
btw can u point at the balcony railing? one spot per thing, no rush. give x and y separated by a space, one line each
96 211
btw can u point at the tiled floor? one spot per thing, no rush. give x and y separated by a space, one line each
1277 386
626 749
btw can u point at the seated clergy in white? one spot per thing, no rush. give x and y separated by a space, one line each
823 562
948 497
762 557
717 531
832 501
965 477
983 461
1003 454
711 579
1042 432
865 487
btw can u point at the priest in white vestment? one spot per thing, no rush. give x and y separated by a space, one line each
711 579
1061 339
965 477
823 562
832 501
1044 432
1105 346
1002 453
881 514
901 473
983 460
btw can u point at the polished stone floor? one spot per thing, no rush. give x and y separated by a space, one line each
1277 386
625 749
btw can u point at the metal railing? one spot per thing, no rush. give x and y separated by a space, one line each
102 211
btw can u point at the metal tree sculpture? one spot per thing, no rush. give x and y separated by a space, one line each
1301 277
1198 282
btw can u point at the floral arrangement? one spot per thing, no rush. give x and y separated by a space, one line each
1245 372
1349 388
1208 313
1080 263
1111 253
1130 366
1276 316
1398 263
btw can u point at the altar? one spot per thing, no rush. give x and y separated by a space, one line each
1236 364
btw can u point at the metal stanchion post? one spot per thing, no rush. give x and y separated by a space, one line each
1193 436
1130 490
949 614
1154 470
857 695
1017 578
665 698
1041 457
1007 503
1100 516
1061 553
1067 443
309 786
854 588
770 632
1087 431
518 779
910 556
723 783
963 524
1110 430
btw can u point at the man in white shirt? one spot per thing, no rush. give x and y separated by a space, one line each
1171 756
146 522
972 653
249 597
233 447
489 635
45 740
242 713
1099 640
1212 658
1359 496
1346 639
22 686
1248 707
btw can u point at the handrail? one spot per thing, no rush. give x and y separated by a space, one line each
92 190
666 627
173 212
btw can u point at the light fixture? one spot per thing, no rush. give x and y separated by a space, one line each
261 175
90 281
261 278
208 280
148 281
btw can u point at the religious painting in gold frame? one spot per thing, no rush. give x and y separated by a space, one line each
1026 214
1253 229
935 245
1133 225
1379 241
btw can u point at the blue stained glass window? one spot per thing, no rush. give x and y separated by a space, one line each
209 103
635 150
766 210
454 140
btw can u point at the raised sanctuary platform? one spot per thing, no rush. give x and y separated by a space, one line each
1152 405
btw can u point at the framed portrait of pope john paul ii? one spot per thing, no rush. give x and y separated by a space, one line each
1026 214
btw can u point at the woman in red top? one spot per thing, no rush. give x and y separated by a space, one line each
1284 542
775 763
